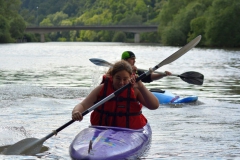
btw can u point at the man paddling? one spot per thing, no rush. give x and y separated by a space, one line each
130 57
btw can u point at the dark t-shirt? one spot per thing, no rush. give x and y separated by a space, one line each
147 79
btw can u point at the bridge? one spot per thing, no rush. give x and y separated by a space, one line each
136 29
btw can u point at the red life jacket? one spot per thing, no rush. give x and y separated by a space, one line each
121 111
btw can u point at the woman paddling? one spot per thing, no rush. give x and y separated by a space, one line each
123 110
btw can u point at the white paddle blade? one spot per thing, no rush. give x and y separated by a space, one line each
100 62
28 146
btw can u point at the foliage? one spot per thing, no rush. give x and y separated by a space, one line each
151 37
12 25
223 25
4 31
215 20
46 22
131 20
17 27
179 20
197 26
173 37
31 37
62 39
119 37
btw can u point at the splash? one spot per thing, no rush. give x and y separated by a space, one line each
10 135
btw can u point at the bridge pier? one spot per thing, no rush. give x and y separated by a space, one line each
42 39
136 38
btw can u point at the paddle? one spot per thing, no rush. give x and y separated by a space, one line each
32 146
189 77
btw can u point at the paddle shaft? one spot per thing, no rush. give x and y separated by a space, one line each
168 60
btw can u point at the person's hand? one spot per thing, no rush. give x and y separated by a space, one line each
77 116
135 84
168 73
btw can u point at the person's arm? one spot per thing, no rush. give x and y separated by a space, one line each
85 104
153 76
146 79
156 76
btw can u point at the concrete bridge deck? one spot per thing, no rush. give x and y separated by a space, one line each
136 29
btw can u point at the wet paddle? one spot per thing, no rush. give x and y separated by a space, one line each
189 77
32 146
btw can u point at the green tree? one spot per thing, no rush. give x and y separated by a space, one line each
46 22
180 22
57 18
151 37
17 27
4 30
198 26
169 10
173 37
70 8
12 25
132 19
215 20
119 37
223 25
66 22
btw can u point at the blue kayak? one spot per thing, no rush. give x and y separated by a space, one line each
110 143
166 97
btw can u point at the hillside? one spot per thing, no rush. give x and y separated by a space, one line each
178 21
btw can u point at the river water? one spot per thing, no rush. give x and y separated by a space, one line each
40 83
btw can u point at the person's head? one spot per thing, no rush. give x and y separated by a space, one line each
129 56
121 73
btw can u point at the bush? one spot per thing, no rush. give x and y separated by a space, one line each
173 37
119 37
62 39
5 36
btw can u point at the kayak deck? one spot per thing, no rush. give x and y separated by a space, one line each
101 142
166 97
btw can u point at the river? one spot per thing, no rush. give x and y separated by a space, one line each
40 83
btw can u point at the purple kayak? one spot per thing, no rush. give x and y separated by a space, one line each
101 142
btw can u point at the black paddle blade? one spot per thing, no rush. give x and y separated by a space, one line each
192 77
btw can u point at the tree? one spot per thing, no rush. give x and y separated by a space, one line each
57 18
173 37
181 22
198 26
5 36
11 24
223 25
46 22
119 37
17 27
132 19
215 20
